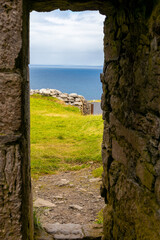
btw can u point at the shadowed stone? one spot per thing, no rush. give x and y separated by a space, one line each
65 231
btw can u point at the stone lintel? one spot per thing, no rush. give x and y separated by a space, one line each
105 7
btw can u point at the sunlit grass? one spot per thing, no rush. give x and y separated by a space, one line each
62 138
97 172
99 219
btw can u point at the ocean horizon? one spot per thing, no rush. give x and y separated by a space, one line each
83 80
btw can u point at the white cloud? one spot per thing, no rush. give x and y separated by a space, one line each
66 38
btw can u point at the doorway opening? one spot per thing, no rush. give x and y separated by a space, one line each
66 145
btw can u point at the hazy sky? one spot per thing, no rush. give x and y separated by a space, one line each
66 38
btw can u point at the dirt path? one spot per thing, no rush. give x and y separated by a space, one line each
76 196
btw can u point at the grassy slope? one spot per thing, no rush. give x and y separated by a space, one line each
61 138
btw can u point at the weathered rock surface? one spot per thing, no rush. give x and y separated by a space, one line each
131 113
74 231
93 231
41 234
65 231
69 231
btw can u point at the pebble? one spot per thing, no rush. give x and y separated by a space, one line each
58 197
82 189
39 202
94 180
62 182
77 207
60 202
71 185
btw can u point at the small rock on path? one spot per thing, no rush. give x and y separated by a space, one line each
43 203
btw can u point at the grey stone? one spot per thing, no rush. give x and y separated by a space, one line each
62 182
94 180
39 202
64 231
77 207
58 197
71 98
45 92
63 95
77 99
73 95
93 231
78 103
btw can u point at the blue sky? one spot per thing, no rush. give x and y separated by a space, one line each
66 38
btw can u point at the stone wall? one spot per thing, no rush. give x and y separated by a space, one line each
72 99
131 113
15 186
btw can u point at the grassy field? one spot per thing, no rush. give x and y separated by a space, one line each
62 138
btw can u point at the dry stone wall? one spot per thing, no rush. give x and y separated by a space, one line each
72 99
131 113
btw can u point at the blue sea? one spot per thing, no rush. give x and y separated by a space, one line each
82 80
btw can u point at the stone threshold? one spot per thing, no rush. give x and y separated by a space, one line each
69 231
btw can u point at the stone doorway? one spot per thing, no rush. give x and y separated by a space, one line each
130 103
73 198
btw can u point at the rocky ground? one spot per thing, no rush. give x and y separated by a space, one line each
68 198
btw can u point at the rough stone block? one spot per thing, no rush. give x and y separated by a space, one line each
145 174
111 76
10 193
149 124
65 231
106 135
136 139
114 172
10 102
112 51
157 189
108 221
118 152
11 30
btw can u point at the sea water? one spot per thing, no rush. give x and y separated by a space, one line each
82 80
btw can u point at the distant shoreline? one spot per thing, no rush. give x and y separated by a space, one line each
84 80
67 66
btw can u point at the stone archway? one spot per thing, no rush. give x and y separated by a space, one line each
131 112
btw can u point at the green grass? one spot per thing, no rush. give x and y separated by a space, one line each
99 219
97 172
62 138
36 219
